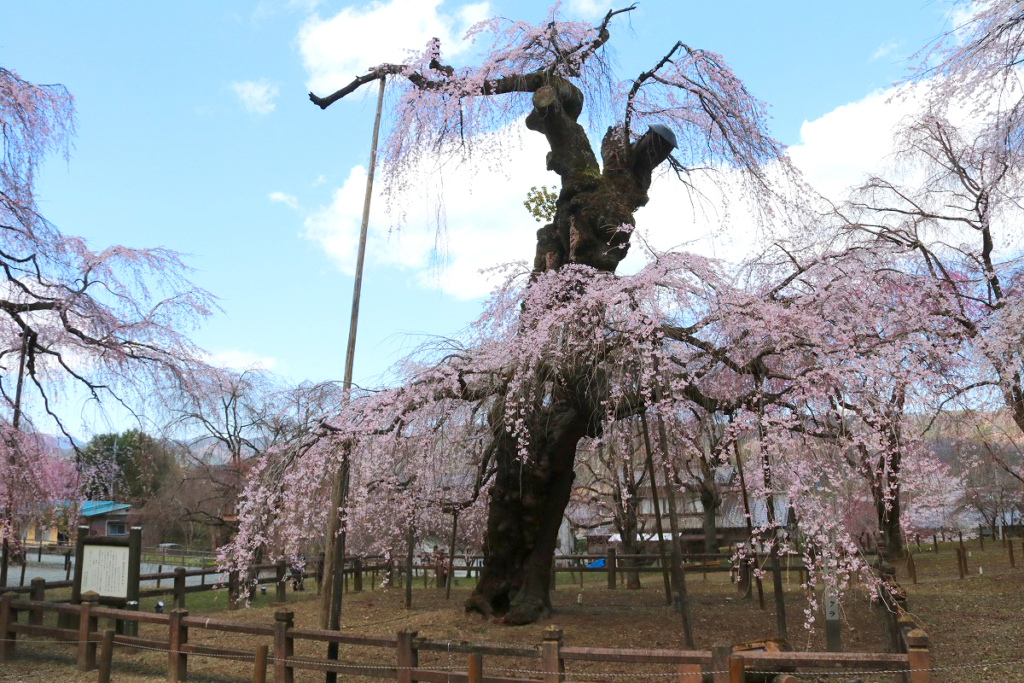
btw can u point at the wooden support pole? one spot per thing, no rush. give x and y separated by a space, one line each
106 656
233 589
1009 546
280 582
411 545
284 646
177 661
551 656
960 562
475 668
408 657
357 575
86 659
935 544
609 563
981 537
912 568
259 667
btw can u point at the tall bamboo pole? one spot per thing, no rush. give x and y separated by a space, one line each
330 614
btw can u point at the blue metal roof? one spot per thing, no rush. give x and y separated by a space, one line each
93 508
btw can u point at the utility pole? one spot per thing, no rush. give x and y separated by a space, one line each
335 569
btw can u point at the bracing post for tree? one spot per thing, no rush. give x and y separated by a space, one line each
409 550
752 561
657 512
339 491
450 575
766 468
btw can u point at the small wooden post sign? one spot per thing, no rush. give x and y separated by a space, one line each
833 636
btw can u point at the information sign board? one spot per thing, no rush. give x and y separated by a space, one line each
105 570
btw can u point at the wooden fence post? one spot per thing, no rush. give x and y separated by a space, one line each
609 563
106 655
1009 545
475 668
259 667
918 657
551 655
279 574
38 594
86 660
981 536
736 669
912 568
284 646
357 575
177 661
8 617
935 544
960 563
408 657
720 654
179 587
963 559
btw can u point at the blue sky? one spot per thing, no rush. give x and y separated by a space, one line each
195 133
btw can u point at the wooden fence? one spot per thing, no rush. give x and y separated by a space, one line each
615 567
545 662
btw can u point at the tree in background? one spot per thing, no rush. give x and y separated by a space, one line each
140 467
111 324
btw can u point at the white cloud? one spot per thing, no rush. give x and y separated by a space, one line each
256 96
320 180
236 359
839 149
587 9
339 48
284 198
483 218
884 50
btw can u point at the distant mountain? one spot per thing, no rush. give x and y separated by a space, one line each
59 442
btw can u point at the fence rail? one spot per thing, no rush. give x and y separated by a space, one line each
545 662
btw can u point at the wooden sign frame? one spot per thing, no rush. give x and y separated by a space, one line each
133 541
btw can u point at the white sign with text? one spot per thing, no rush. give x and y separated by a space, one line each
105 570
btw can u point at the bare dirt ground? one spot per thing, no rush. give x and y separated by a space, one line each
973 623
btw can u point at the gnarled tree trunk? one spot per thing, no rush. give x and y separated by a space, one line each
529 495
